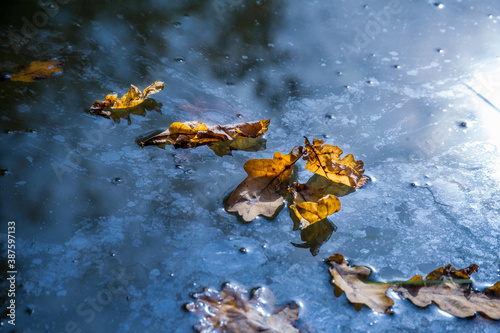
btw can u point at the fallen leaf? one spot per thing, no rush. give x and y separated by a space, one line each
231 311
259 193
311 205
329 187
193 134
37 70
325 161
139 110
131 99
350 280
452 291
315 235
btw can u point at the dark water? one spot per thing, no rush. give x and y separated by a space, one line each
411 88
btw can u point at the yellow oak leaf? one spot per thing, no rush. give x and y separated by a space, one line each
131 99
325 161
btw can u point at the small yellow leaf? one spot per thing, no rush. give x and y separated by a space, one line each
310 205
131 99
37 70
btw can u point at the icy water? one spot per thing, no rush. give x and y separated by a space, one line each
114 238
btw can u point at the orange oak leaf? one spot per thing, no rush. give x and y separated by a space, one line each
131 99
230 310
259 193
351 281
325 161
452 291
37 70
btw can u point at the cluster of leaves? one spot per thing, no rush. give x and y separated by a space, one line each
268 183
230 310
449 288
36 70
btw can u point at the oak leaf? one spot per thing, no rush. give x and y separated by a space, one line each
452 291
231 311
259 193
325 161
351 281
37 70
131 99
193 134
139 110
315 235
311 205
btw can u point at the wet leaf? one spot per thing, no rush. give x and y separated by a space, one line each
315 235
261 192
131 99
329 187
325 161
193 134
310 205
452 291
139 110
351 281
37 70
231 311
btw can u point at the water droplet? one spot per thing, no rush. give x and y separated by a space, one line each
326 136
117 180
177 24
397 66
372 55
330 116
229 83
438 5
463 124
179 59
113 254
171 274
239 115
30 310
3 172
244 57
369 82
490 16
414 184
439 50
243 250
226 56
340 73
178 166
347 86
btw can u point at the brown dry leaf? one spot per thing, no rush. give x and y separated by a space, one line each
325 161
452 291
259 193
131 99
350 280
193 134
231 311
37 70
311 205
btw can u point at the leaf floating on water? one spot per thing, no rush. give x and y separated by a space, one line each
315 235
131 99
452 291
350 280
193 134
325 161
261 193
139 110
230 310
311 205
37 70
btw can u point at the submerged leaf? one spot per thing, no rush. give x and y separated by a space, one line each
350 280
316 235
452 291
259 193
193 134
37 70
131 99
222 148
311 205
231 311
325 161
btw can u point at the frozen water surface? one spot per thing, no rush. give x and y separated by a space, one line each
114 238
